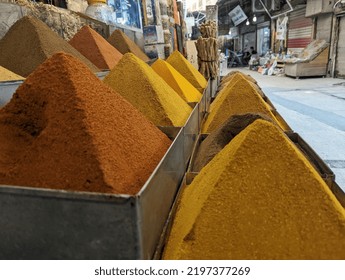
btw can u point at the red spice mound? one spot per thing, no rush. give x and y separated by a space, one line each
94 47
65 129
29 42
123 44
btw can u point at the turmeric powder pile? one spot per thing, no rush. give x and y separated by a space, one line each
259 198
148 92
7 75
186 69
232 73
236 75
177 82
240 98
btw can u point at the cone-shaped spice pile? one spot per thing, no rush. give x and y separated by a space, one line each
94 47
148 92
123 44
65 129
177 82
259 198
29 42
187 70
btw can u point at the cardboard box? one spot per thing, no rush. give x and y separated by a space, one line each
153 34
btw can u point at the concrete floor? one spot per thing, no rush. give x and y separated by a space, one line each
315 109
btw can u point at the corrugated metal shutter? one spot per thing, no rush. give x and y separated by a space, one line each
300 30
340 62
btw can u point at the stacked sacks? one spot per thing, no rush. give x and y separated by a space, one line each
148 92
259 198
65 129
7 75
123 44
239 98
29 42
177 82
94 47
182 65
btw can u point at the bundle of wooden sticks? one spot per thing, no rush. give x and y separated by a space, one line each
207 48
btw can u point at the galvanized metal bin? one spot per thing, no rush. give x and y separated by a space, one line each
191 132
54 224
169 223
7 90
214 87
191 172
208 92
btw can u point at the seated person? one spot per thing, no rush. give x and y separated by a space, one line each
254 59
248 54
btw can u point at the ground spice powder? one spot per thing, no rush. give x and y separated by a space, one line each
240 98
65 129
259 198
229 75
95 48
7 75
187 70
219 138
148 92
29 42
123 44
237 76
177 82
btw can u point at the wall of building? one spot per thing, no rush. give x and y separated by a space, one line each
340 55
199 5
324 26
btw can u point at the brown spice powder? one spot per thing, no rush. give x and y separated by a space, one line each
94 47
218 139
29 42
65 129
123 44
239 98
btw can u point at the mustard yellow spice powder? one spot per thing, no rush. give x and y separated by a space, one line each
148 92
259 198
177 82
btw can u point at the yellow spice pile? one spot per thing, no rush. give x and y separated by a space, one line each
7 75
232 73
177 82
148 92
239 98
186 69
259 198
238 75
